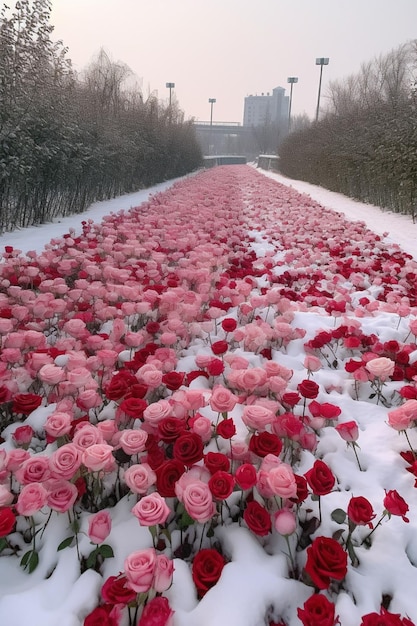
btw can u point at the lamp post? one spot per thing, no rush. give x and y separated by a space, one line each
211 102
320 61
170 86
291 80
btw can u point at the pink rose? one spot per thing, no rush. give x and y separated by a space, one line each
139 478
312 363
198 501
14 460
58 424
22 436
285 522
157 411
151 376
151 510
400 419
6 497
222 400
99 457
65 461
76 328
86 435
34 470
163 573
140 570
257 417
99 527
202 426
89 399
51 374
79 377
281 481
31 499
381 367
61 495
348 431
107 428
133 441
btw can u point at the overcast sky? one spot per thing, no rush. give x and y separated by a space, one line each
228 49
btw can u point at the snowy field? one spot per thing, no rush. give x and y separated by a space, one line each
283 234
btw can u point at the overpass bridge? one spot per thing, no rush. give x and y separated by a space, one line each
224 138
233 138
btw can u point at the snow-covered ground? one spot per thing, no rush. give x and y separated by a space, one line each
255 579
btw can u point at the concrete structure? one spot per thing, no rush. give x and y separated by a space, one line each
266 109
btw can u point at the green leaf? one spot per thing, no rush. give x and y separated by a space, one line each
153 530
338 516
65 543
185 521
3 544
106 551
30 561
92 558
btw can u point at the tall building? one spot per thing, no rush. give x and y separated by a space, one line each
266 108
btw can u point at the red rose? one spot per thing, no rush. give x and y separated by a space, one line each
360 511
25 403
352 365
7 521
170 428
291 398
308 389
173 380
257 518
193 375
385 618
215 367
265 443
395 504
317 611
167 475
226 428
157 612
101 617
133 407
326 410
188 448
326 560
5 394
229 324
152 327
155 457
221 485
115 591
206 569
320 478
215 461
119 385
302 489
137 390
219 347
246 476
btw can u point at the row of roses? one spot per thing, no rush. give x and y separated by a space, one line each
159 428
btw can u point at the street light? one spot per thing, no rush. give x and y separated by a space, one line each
291 80
211 101
320 61
170 86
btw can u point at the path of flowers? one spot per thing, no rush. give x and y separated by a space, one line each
196 360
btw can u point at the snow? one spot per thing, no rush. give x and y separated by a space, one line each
253 580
